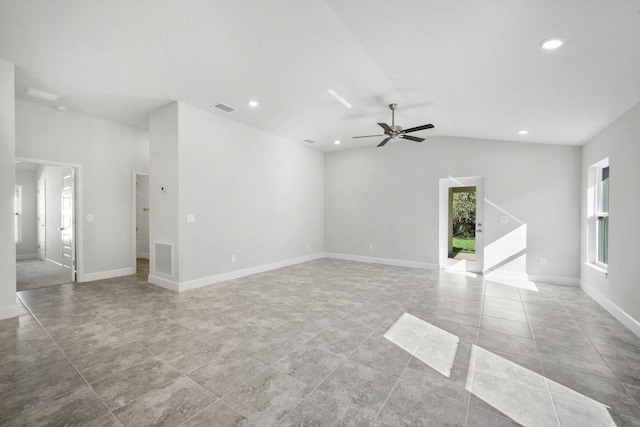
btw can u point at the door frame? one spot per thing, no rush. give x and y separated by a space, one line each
447 263
78 206
134 211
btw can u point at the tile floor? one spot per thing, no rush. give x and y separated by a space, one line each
305 345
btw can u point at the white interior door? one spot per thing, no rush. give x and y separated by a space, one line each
67 227
459 253
41 221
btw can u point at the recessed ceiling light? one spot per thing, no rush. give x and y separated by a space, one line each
523 132
337 142
339 98
552 43
253 103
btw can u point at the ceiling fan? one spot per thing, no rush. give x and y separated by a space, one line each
393 131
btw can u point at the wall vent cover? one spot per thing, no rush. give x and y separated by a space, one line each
225 108
163 258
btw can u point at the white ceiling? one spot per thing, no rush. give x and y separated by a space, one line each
473 68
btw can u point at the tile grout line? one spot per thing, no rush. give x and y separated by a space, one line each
72 364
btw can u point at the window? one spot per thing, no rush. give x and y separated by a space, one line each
17 221
602 216
598 216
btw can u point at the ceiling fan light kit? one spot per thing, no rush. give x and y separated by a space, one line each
394 131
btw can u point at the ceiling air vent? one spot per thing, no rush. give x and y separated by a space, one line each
224 108
309 141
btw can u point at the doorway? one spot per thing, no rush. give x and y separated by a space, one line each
461 243
141 222
46 254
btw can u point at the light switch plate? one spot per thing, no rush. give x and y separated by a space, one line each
191 219
89 217
504 219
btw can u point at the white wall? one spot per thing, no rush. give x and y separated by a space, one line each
253 195
107 153
163 172
389 197
28 247
8 307
619 292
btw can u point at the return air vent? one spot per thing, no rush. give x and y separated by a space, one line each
309 141
224 108
163 258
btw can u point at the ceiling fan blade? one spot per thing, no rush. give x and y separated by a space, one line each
384 142
366 136
386 127
412 138
417 128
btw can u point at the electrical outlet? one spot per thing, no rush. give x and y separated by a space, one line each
370 246
504 219
543 260
233 258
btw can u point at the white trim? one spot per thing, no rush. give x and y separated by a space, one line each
385 261
52 262
597 268
611 307
26 256
101 275
165 283
205 281
515 275
9 311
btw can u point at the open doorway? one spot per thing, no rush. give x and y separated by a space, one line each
45 225
461 216
141 221
462 231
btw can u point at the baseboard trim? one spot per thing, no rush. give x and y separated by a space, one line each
23 257
9 311
612 308
514 275
52 262
164 283
218 278
385 261
101 275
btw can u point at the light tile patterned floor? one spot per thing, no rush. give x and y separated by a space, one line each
305 345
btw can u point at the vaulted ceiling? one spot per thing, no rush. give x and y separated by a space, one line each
473 68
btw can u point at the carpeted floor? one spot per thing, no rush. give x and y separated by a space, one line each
35 273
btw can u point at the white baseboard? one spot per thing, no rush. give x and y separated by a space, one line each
385 261
22 257
514 275
211 280
101 275
607 304
9 311
52 262
165 283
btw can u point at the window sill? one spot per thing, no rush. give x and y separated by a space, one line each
597 268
